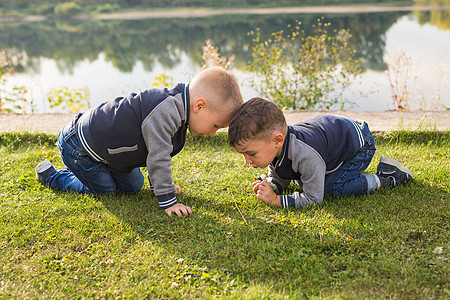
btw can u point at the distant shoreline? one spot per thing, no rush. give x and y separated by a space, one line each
377 120
207 12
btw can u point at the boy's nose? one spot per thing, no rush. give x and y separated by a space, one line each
247 160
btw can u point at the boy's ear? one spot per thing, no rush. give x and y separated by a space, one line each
278 139
199 104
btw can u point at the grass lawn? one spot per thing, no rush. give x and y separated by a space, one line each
393 244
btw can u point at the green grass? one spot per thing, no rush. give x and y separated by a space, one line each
392 244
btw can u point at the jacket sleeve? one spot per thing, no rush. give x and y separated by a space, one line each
281 184
311 166
158 129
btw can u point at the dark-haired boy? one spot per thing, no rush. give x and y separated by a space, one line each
326 154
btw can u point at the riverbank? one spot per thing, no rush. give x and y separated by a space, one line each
208 12
378 120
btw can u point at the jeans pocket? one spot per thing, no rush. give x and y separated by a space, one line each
368 137
70 147
80 156
67 135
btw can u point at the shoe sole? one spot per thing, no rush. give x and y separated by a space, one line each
43 166
395 163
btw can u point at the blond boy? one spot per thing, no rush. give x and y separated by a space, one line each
103 148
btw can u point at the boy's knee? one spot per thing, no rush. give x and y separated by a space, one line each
339 193
133 188
336 190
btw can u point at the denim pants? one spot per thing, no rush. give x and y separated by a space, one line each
348 180
85 175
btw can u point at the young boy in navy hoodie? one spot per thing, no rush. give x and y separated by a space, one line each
327 154
103 148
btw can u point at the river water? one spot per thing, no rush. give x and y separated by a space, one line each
113 57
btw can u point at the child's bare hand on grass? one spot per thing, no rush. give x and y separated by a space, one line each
178 189
265 193
179 209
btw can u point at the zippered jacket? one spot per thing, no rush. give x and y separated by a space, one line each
312 149
141 129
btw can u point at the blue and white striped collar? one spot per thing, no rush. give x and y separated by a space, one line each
185 97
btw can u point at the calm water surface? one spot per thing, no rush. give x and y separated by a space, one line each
113 58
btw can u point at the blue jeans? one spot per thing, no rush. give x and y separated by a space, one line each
85 175
348 180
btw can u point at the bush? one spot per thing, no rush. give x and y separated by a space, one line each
45 9
304 72
107 8
69 100
67 9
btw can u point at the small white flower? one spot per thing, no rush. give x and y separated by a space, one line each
438 250
175 285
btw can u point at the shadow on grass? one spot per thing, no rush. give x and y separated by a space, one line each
312 247
217 236
343 244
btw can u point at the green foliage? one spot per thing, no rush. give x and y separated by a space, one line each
14 140
162 80
69 100
67 9
15 100
302 71
72 7
126 43
3 67
3 71
107 8
392 244
423 137
439 18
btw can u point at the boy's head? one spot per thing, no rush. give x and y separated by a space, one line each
214 96
257 131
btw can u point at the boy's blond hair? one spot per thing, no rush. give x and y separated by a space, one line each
219 87
257 119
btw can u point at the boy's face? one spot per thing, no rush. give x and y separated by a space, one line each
206 122
260 153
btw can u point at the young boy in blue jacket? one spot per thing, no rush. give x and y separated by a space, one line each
326 154
103 148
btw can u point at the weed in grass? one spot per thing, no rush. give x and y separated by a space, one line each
389 244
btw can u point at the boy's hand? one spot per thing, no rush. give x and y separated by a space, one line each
255 186
265 193
179 209
177 189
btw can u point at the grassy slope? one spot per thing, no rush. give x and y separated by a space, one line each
383 245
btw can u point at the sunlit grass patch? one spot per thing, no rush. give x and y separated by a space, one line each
390 244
